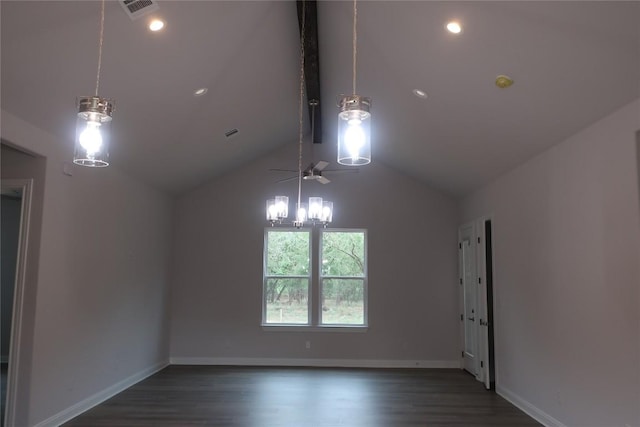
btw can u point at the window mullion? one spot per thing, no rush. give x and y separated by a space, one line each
315 274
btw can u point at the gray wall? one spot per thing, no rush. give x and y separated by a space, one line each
217 282
97 311
10 231
567 276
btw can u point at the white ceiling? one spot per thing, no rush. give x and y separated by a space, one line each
573 62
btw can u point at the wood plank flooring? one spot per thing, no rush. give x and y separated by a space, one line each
305 397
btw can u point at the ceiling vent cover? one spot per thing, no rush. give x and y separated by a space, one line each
138 8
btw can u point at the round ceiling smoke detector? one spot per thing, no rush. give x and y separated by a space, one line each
503 81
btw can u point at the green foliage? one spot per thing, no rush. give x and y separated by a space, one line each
343 254
287 290
287 253
340 291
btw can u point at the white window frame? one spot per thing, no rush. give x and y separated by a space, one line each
315 284
364 278
266 277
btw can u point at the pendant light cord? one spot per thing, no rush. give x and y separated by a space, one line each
355 39
300 108
100 48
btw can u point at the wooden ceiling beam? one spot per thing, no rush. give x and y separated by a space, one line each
311 61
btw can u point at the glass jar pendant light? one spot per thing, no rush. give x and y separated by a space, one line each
93 123
354 130
354 118
93 131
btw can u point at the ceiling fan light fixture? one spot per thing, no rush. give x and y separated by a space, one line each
354 130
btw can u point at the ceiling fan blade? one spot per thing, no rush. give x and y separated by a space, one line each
321 165
322 180
343 170
291 178
282 170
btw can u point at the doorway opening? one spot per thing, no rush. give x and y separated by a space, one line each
15 208
489 275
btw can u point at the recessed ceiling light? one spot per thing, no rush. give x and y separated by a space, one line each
454 27
200 92
420 93
156 25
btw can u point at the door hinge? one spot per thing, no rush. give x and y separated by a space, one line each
460 245
478 240
461 280
462 353
480 280
461 317
481 364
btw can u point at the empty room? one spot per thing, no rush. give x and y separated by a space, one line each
320 213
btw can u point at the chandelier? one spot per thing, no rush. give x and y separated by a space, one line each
317 211
93 121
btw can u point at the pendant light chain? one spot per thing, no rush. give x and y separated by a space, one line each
100 47
300 108
355 40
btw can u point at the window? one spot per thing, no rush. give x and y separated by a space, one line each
328 266
343 277
287 276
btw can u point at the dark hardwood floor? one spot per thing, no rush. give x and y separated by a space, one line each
301 397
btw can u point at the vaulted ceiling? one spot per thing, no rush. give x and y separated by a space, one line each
572 62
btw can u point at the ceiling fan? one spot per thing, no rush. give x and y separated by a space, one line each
314 172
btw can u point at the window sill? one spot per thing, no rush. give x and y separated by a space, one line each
306 328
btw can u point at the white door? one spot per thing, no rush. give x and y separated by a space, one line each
469 298
475 266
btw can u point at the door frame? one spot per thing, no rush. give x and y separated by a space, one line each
26 187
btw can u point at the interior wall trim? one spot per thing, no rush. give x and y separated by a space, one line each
96 399
529 409
329 363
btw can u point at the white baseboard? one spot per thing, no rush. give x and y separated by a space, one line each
329 363
88 403
535 413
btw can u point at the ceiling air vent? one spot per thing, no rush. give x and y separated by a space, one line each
138 8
